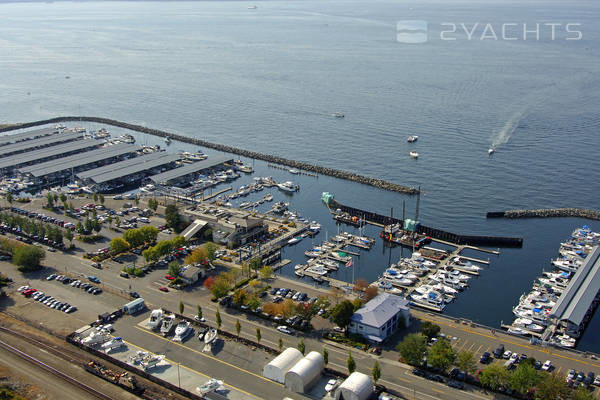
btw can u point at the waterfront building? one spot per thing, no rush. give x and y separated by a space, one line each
380 317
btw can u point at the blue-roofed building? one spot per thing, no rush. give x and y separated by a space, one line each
380 317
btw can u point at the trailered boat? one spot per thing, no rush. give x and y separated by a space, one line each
167 325
210 386
182 330
210 336
155 319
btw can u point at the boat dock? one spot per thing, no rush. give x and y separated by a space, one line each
211 196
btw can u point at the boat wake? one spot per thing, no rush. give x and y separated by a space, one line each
504 135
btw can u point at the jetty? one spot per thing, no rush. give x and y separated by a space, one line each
547 213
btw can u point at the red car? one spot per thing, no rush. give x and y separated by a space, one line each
29 292
163 289
169 277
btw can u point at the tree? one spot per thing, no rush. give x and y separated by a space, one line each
441 354
95 197
255 264
376 371
63 198
69 235
149 233
211 249
266 272
350 363
118 245
220 287
325 356
552 387
152 204
172 216
429 329
199 312
413 348
136 200
493 376
524 378
258 335
582 394
465 361
9 198
101 198
238 327
197 256
360 284
342 313
279 343
134 237
218 319
96 226
302 346
28 258
371 292
174 269
181 306
50 200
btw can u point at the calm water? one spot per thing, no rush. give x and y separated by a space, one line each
269 79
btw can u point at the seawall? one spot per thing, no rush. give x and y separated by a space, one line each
337 173
547 213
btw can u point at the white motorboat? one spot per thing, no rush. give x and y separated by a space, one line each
491 151
294 171
245 168
252 7
338 115
182 330
138 357
431 299
385 285
151 361
314 226
96 337
295 240
155 319
413 154
412 139
168 323
299 266
288 186
211 385
113 344
167 140
317 269
516 330
210 336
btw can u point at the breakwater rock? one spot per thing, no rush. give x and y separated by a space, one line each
547 213
337 173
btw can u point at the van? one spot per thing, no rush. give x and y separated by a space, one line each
509 363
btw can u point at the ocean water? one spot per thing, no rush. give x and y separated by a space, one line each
270 78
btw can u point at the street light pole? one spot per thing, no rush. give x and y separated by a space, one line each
178 377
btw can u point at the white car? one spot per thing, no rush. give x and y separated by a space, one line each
514 356
331 384
284 329
507 354
547 365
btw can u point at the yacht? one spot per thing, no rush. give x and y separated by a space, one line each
528 324
385 285
295 240
210 336
294 171
182 330
516 331
288 186
126 138
252 7
412 139
316 269
168 323
330 264
431 299
413 154
155 319
314 226
113 344
211 385
150 361
299 266
280 207
491 151
246 168
96 337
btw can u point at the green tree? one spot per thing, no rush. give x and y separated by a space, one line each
441 354
134 237
181 307
552 387
69 235
63 198
88 226
50 200
524 378
172 217
95 197
96 225
199 312
350 363
266 272
302 346
259 336
136 200
118 245
28 258
238 327
280 344
218 319
429 329
342 313
582 393
493 376
325 356
174 269
9 198
255 264
101 198
152 204
211 249
465 361
376 371
413 348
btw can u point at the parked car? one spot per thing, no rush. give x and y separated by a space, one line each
485 358
284 329
92 278
456 385
547 365
163 289
124 274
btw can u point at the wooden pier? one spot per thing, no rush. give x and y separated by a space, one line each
205 198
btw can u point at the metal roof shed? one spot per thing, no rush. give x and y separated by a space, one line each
357 386
280 365
305 373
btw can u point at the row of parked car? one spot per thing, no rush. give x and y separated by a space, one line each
575 379
77 283
43 217
47 300
31 239
513 358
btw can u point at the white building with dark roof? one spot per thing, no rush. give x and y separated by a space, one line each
380 317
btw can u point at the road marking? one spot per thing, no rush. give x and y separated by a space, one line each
439 391
210 357
559 368
479 348
408 389
471 347
405 380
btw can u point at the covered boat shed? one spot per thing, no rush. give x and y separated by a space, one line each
357 386
280 365
305 373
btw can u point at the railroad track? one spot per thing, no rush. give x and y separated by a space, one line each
54 371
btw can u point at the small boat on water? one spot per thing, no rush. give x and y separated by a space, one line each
412 139
252 7
294 171
288 186
167 140
414 154
338 115
295 240
491 151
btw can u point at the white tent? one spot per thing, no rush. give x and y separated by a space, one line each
305 373
277 368
357 386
